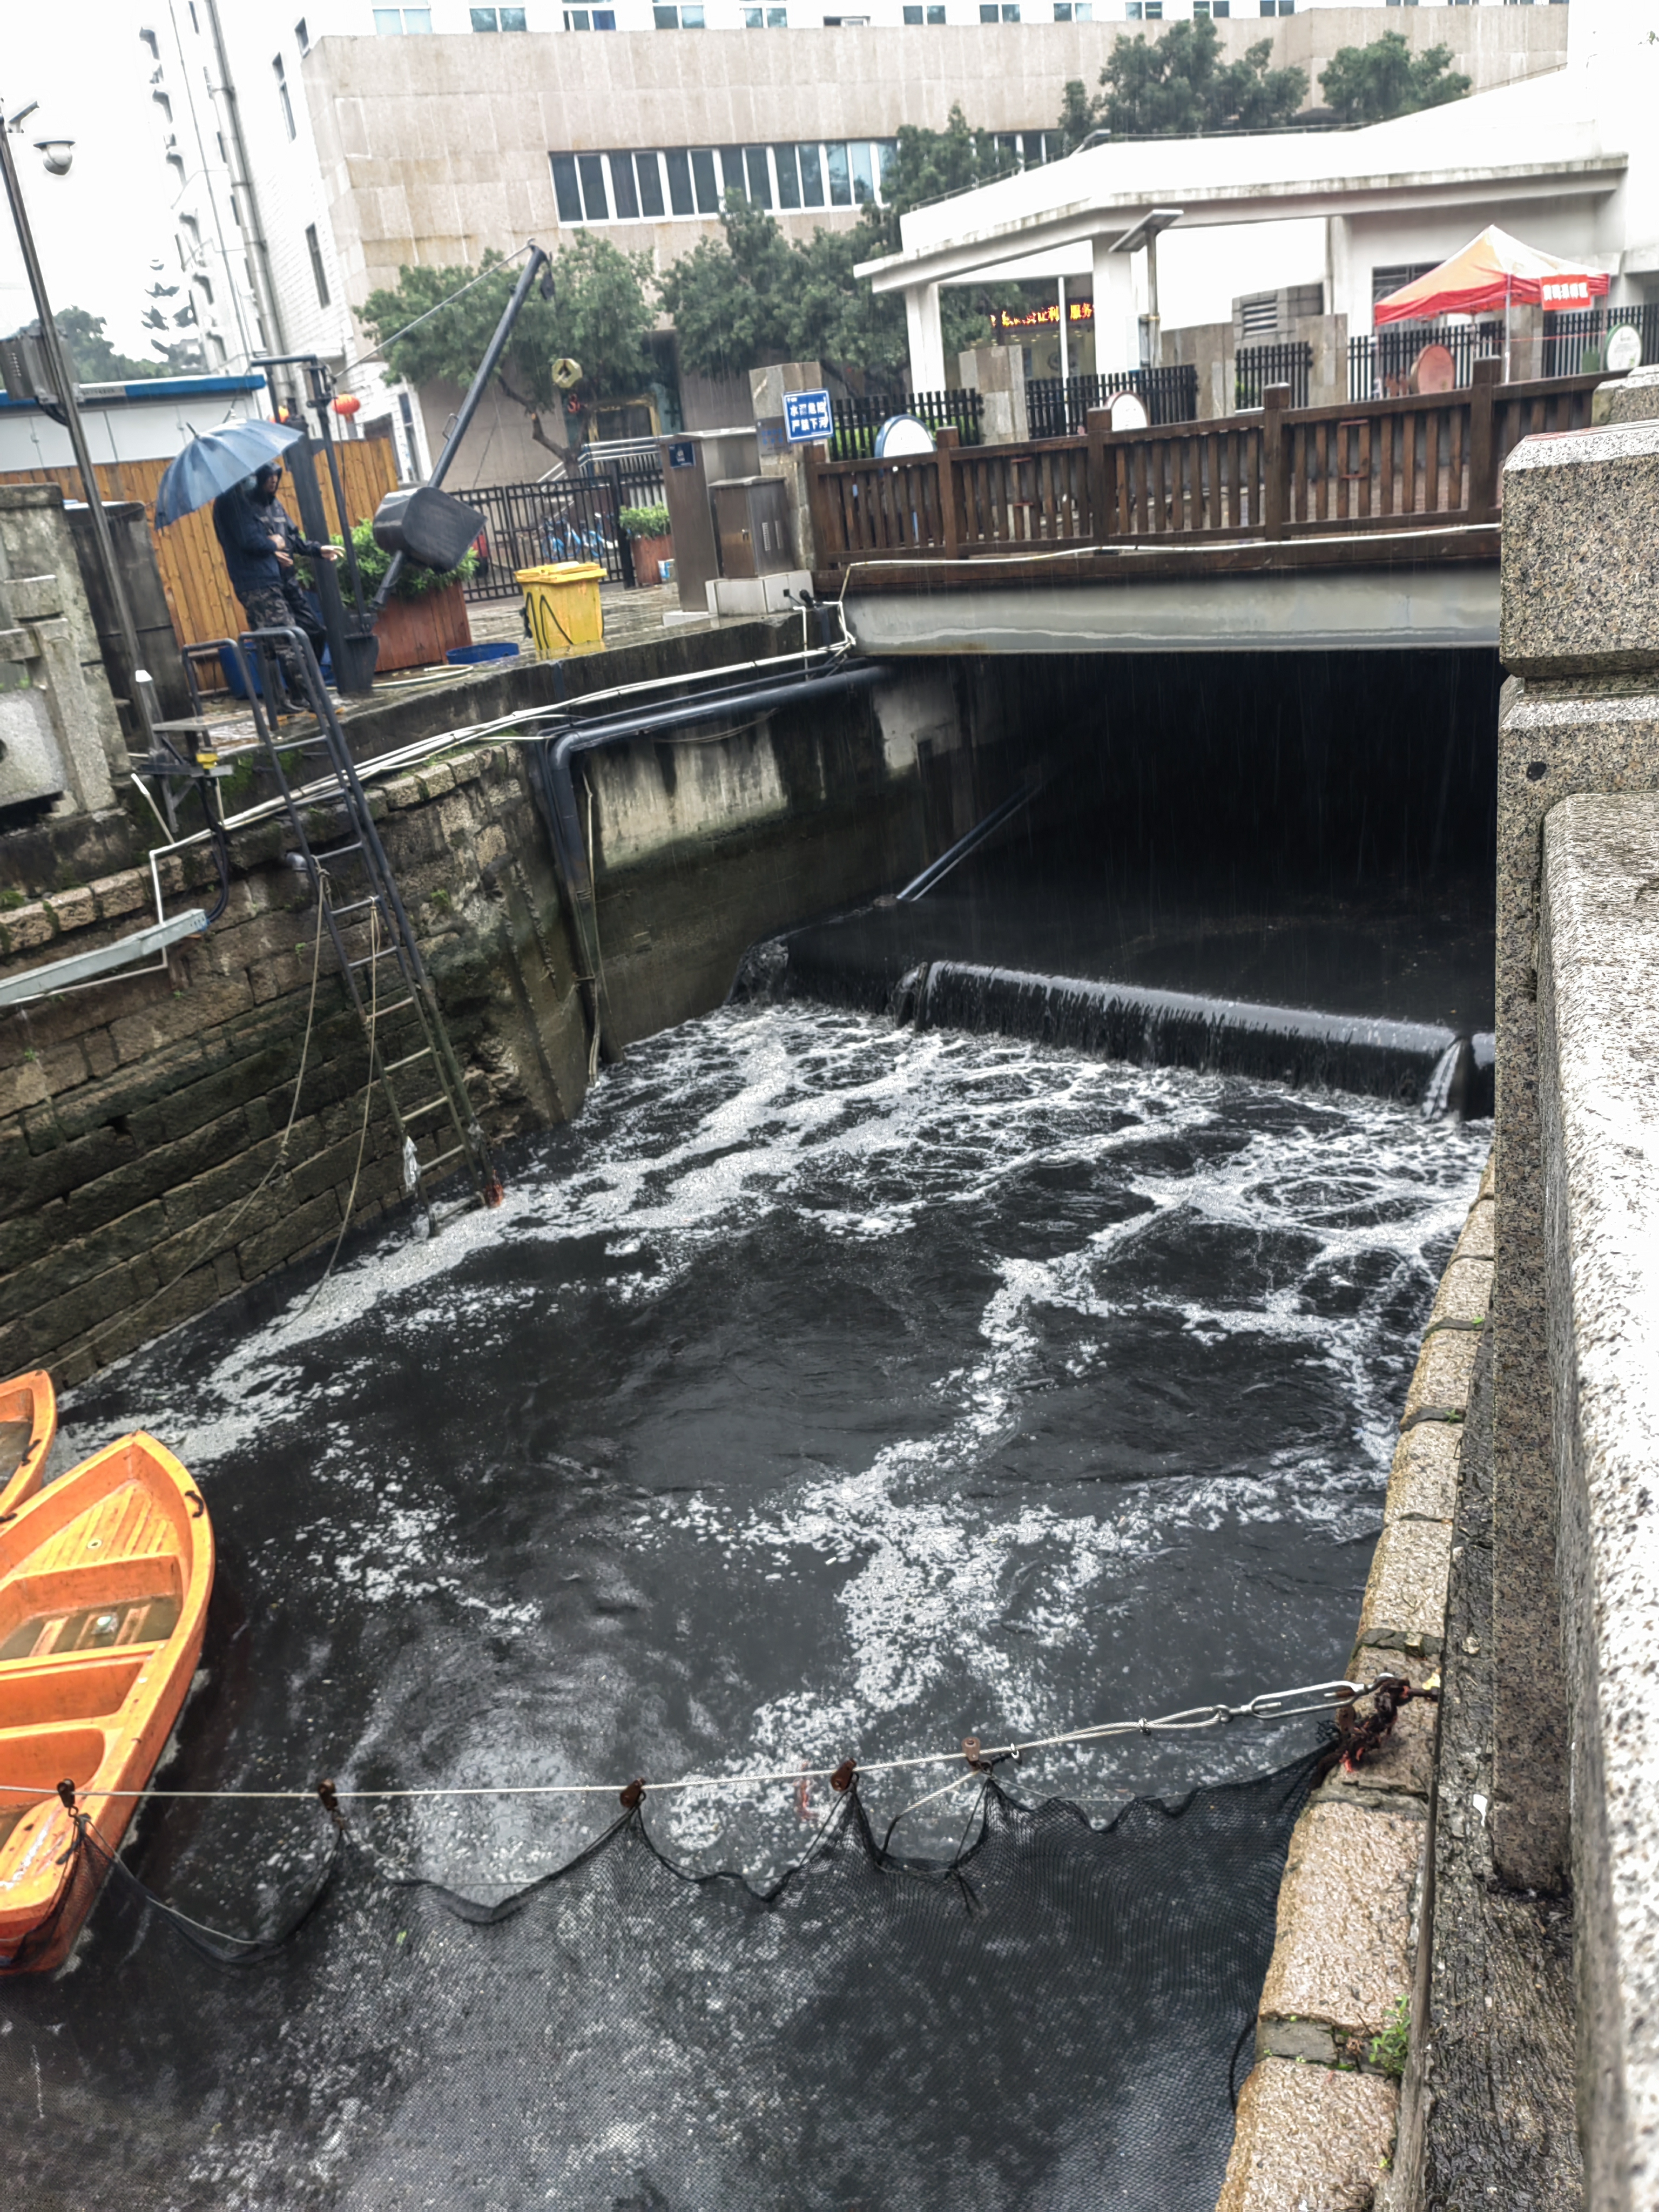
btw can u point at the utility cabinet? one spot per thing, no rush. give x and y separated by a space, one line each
751 518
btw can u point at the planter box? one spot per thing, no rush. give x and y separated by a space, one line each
649 554
415 633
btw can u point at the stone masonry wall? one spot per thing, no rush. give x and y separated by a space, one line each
1317 2118
142 1173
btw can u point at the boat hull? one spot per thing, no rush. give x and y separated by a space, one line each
105 1578
28 1425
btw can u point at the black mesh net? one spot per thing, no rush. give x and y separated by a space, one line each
1052 2018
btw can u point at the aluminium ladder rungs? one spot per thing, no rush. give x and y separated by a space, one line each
382 898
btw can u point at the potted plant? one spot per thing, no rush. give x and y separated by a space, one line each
425 618
652 542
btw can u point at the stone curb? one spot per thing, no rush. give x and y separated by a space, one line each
1316 2118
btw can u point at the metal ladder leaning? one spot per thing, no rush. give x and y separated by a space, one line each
441 1119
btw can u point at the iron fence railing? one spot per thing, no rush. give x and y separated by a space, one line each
860 416
1577 343
1059 408
1380 365
1257 367
562 519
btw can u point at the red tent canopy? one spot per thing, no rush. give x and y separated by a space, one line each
1491 271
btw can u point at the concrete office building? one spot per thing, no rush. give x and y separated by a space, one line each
316 156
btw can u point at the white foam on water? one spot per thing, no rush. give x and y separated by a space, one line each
859 1133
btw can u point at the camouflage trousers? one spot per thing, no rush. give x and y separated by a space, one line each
284 606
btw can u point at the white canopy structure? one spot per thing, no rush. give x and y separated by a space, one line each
1570 158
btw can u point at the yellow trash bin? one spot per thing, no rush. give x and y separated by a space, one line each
563 602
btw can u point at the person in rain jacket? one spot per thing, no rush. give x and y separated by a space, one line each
254 552
291 541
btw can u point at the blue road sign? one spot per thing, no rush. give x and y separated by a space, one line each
808 418
682 455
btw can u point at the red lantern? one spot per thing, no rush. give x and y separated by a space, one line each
346 404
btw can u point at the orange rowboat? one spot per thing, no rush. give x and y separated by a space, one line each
29 1422
104 1584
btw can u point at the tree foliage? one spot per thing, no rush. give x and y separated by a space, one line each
1178 87
96 361
1369 84
600 316
754 295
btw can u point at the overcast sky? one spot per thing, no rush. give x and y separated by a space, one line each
99 228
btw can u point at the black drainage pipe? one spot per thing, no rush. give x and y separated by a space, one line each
564 819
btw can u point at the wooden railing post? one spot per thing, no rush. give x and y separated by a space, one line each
946 440
830 540
1275 460
1483 439
1098 477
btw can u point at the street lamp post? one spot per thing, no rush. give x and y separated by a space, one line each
58 362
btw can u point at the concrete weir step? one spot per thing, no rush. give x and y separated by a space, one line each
1421 1063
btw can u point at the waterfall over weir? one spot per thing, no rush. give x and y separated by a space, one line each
1423 1064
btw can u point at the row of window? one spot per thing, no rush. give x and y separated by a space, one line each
661 183
412 22
693 14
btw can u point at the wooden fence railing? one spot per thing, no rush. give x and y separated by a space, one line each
1281 473
198 593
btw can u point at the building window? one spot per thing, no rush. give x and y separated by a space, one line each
217 349
686 181
1154 11
206 284
194 25
398 23
281 94
1133 11
1083 11
302 38
936 14
678 19
150 39
503 19
771 19
318 275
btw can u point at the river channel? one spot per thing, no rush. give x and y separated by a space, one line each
826 1389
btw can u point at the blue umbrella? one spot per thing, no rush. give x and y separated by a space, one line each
212 464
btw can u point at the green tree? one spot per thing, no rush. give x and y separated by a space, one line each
1369 84
1077 115
754 295
1179 87
93 357
600 316
731 298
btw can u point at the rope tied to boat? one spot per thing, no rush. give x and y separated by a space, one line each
1333 1698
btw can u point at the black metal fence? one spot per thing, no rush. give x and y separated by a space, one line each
1578 342
858 418
1257 367
1380 367
1057 408
564 519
